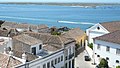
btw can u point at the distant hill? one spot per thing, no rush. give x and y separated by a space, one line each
62 4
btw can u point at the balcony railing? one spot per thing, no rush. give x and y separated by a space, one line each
71 55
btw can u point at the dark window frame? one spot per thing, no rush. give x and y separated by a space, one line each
107 48
40 46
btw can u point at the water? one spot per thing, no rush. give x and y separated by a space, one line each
59 15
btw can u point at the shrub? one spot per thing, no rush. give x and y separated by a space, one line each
91 45
117 66
55 33
103 63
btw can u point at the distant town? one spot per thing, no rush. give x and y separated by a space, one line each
63 4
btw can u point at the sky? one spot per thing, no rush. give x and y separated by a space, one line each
86 1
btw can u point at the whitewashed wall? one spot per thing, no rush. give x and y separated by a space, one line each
103 53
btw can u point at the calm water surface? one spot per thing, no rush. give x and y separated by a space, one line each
59 15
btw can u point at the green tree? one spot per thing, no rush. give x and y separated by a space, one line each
103 63
117 66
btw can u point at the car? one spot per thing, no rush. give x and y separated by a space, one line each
87 58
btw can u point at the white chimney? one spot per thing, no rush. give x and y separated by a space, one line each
5 51
24 57
11 53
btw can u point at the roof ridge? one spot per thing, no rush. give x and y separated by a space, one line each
60 40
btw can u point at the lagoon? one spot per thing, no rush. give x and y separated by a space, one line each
70 16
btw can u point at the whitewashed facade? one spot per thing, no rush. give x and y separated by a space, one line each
108 50
7 42
95 31
63 58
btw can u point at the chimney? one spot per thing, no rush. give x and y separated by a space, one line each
11 53
5 51
24 57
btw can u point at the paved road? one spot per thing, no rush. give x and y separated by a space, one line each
81 63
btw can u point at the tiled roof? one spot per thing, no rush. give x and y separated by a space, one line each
113 37
22 25
8 61
3 32
74 33
30 57
52 42
47 38
42 26
11 32
42 36
111 26
27 39
51 47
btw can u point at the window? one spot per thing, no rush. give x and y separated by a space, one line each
48 65
55 61
117 61
44 66
34 50
117 51
98 46
69 50
61 58
40 46
98 55
107 58
107 48
81 42
98 27
65 65
66 58
58 59
52 64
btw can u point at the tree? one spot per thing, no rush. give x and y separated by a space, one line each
103 63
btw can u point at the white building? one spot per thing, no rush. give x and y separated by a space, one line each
99 30
108 47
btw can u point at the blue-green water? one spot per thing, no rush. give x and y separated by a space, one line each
59 15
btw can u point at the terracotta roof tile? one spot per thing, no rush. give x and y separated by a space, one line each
42 26
8 61
111 26
74 33
113 37
27 39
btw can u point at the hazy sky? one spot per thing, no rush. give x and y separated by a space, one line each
92 1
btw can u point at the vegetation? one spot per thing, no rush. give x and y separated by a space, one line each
91 45
103 63
77 45
117 66
55 33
